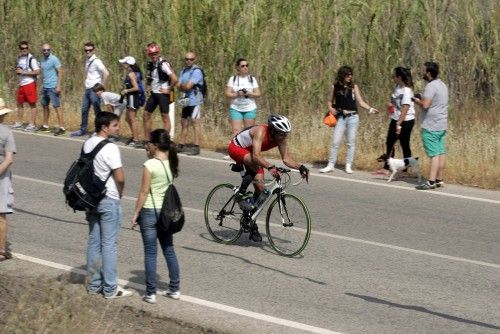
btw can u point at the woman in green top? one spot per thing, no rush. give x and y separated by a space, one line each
158 173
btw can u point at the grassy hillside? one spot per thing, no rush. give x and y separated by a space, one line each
294 48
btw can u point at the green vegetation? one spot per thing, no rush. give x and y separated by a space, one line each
294 48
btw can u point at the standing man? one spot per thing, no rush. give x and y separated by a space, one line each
191 84
105 221
27 70
7 151
52 72
434 123
161 79
95 72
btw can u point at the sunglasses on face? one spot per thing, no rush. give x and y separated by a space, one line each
88 50
23 48
190 59
244 65
45 50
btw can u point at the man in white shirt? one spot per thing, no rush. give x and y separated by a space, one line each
161 79
95 72
105 221
27 70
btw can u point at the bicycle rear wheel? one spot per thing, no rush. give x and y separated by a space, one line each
223 214
288 225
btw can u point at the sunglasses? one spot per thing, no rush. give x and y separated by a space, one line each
153 54
244 65
23 48
190 59
88 50
45 50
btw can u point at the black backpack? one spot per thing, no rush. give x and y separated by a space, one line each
171 218
162 76
82 187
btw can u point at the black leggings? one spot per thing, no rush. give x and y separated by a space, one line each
404 138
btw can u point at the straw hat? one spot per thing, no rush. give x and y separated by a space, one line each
3 109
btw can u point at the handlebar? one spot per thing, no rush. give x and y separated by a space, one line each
284 177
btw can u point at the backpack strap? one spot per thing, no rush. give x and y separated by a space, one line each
169 183
96 149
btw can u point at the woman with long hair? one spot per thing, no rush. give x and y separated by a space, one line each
158 174
131 95
402 116
343 99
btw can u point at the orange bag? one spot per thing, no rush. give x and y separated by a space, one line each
330 120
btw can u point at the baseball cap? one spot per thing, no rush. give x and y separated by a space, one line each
127 60
3 109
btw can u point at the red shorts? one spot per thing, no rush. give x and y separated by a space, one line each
27 94
238 154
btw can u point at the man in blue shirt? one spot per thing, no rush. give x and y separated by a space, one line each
190 84
52 72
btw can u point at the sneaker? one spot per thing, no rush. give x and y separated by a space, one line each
119 293
327 169
226 157
17 126
425 186
77 133
172 294
181 148
242 201
348 168
44 128
94 292
139 144
30 128
195 150
60 132
255 235
150 298
439 184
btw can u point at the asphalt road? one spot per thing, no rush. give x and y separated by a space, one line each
382 258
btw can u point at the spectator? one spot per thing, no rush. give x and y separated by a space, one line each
403 115
242 89
158 173
95 72
105 221
343 99
130 94
162 79
27 70
434 123
113 102
190 83
51 90
7 151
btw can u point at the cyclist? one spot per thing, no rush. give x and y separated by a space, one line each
245 149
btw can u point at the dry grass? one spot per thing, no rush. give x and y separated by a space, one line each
294 48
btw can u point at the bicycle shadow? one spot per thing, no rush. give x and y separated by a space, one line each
422 309
254 263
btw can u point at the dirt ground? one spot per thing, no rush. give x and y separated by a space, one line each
41 305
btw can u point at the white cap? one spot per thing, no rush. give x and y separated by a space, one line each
127 60
3 109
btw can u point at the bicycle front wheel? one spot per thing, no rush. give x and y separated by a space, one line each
288 225
223 214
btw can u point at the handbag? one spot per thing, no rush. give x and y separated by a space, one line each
171 218
330 120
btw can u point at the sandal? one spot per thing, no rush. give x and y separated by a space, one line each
5 255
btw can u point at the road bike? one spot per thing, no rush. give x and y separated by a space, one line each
288 222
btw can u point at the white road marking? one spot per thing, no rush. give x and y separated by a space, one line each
193 300
323 234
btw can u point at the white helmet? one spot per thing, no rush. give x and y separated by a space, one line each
279 123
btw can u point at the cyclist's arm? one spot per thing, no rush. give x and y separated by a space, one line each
285 157
257 134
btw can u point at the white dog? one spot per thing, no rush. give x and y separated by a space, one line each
396 165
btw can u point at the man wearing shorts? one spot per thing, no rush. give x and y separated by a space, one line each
52 72
245 148
27 70
434 123
190 84
161 78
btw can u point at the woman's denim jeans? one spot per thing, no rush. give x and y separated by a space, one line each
147 222
104 225
349 126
